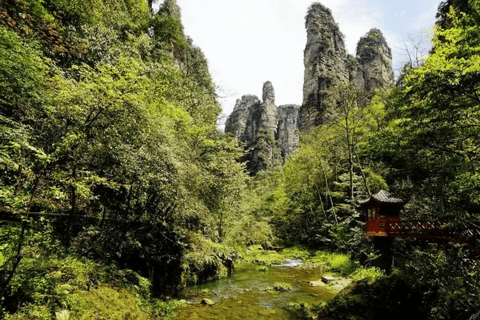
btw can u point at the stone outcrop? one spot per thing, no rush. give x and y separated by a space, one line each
326 63
237 121
287 134
269 110
272 132
269 132
374 58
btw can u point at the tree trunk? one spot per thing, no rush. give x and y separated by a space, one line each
19 175
363 174
350 160
73 199
329 193
350 157
321 201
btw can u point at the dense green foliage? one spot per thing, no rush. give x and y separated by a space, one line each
108 116
420 140
49 282
431 149
312 199
117 187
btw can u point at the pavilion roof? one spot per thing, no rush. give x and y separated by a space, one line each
383 197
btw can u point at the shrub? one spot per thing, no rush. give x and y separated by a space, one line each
336 262
105 303
369 274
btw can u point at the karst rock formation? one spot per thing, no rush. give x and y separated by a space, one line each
270 132
327 63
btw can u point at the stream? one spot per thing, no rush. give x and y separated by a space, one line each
249 294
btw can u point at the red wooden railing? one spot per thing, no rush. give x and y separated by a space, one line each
416 227
468 234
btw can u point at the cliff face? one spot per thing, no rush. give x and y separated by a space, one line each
270 133
326 63
237 121
250 115
374 58
268 117
287 129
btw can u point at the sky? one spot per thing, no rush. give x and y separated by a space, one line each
248 42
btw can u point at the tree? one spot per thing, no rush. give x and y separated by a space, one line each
432 150
168 30
416 47
436 120
348 113
320 182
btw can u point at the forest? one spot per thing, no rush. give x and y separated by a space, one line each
118 190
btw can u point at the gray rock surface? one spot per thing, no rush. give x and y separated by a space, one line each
268 108
269 132
374 58
287 129
237 121
326 63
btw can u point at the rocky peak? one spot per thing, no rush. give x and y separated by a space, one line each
322 29
269 110
246 101
269 132
371 45
375 58
266 128
237 121
326 63
268 93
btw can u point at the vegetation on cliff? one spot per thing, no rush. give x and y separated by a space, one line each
420 139
117 188
110 158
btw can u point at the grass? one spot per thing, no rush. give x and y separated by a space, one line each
330 262
256 254
369 274
337 262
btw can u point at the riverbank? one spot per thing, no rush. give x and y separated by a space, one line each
264 283
292 283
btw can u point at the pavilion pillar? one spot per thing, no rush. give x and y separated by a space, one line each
383 247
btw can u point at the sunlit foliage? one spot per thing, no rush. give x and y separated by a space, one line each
108 116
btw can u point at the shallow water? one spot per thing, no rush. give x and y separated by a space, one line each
248 294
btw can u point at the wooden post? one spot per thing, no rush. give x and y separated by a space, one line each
383 246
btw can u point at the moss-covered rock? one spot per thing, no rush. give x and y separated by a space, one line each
282 286
207 302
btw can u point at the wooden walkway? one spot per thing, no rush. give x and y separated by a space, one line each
469 234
